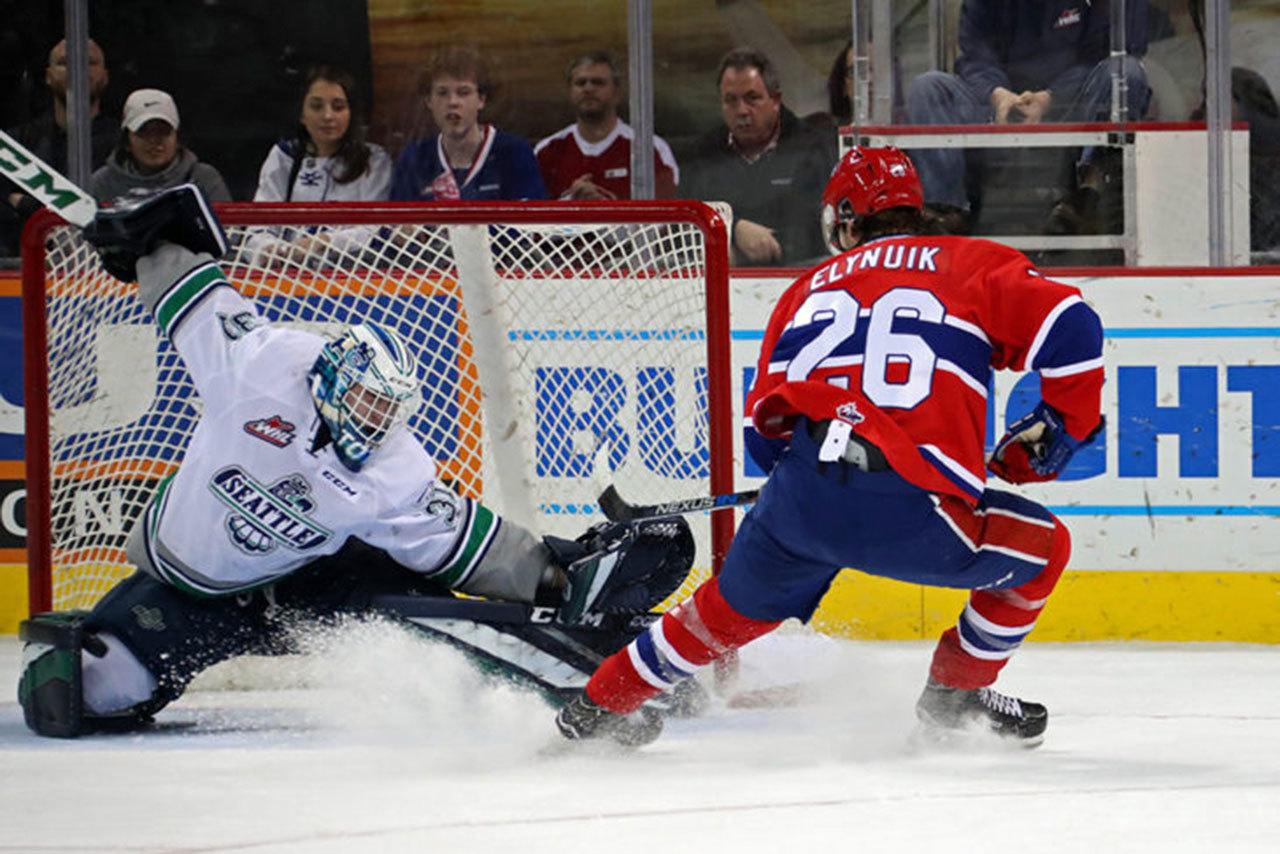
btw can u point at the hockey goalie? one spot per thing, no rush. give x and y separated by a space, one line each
303 496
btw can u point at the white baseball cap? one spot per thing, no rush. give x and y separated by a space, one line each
143 105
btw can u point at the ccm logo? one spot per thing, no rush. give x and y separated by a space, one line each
338 483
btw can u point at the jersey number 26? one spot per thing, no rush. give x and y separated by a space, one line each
884 346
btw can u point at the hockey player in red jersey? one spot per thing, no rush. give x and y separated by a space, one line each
869 409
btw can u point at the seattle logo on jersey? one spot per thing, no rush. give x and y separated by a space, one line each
274 430
264 517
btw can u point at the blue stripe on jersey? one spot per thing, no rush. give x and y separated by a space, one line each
659 665
968 352
793 340
989 641
945 471
1011 502
1076 336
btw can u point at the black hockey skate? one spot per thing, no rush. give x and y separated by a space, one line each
582 719
180 215
945 711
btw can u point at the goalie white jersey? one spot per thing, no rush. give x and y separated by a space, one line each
256 495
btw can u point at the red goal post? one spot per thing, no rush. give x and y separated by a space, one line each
554 338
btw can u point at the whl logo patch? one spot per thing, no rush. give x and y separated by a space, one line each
1067 18
266 516
274 430
848 411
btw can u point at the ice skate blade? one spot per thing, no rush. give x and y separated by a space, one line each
932 738
594 748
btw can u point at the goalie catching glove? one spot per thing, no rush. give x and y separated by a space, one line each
1037 447
619 567
182 215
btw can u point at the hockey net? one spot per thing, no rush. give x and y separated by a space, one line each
555 341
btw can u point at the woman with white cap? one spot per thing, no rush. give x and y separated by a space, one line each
149 156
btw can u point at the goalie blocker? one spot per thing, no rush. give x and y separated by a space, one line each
180 215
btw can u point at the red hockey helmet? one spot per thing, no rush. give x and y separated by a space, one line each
865 181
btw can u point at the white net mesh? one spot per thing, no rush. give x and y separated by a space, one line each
543 347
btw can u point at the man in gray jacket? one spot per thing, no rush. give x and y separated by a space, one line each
149 156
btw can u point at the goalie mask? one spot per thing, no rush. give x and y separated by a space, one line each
866 181
365 386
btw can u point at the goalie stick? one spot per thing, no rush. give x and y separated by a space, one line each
618 509
49 187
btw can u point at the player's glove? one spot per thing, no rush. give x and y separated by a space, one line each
182 215
1037 447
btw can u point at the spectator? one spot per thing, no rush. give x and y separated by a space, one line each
465 159
840 87
1023 61
46 137
149 157
768 167
1253 102
325 159
336 163
591 158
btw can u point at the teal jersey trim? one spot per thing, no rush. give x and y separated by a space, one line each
185 293
482 526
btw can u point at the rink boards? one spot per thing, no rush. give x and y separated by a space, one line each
1174 514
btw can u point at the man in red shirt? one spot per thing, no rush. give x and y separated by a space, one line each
873 378
591 158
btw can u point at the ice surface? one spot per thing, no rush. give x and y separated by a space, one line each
380 741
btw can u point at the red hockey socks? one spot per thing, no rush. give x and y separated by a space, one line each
994 623
694 633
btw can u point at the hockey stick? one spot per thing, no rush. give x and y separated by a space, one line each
52 189
618 509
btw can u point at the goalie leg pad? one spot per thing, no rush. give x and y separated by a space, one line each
115 683
623 567
180 215
50 690
175 636
54 689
